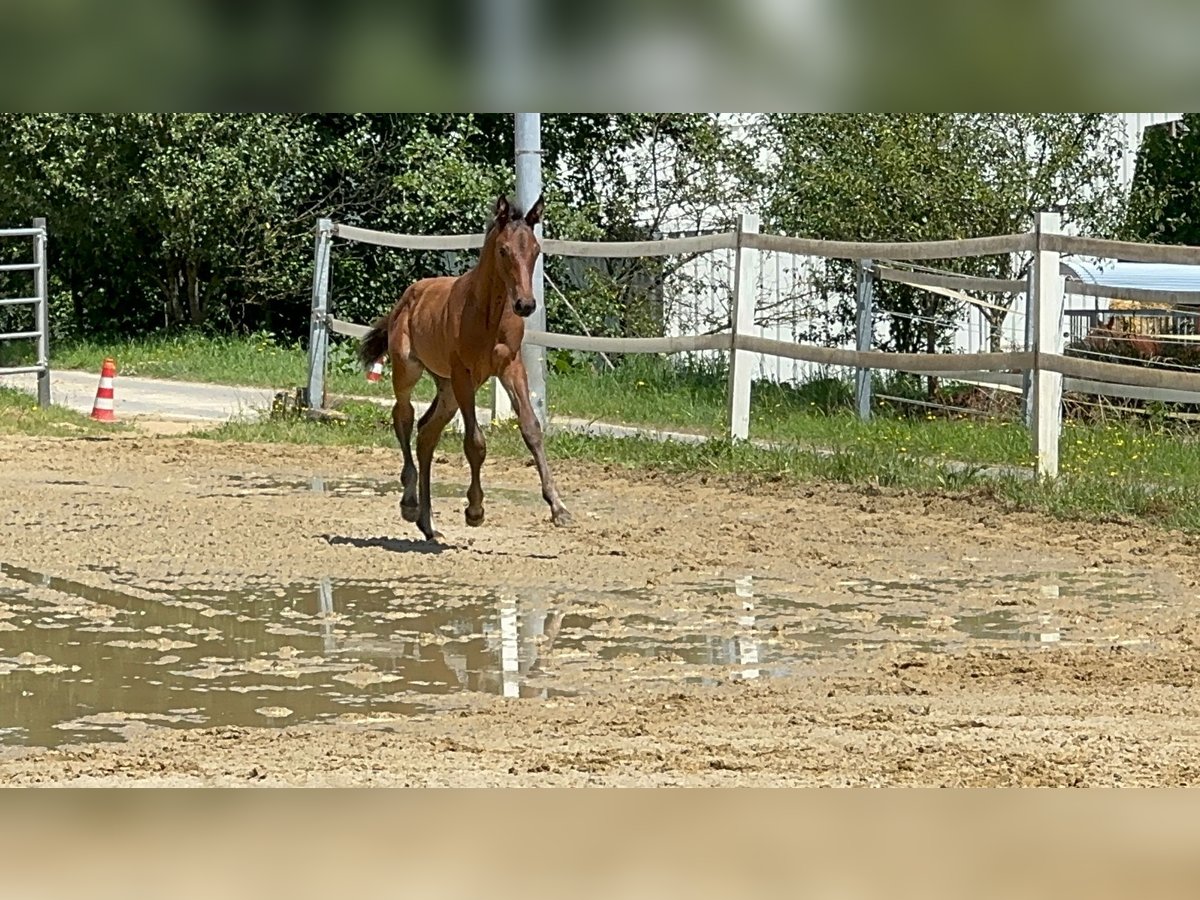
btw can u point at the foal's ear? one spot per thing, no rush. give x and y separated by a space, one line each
503 211
535 212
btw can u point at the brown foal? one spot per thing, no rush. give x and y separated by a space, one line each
464 330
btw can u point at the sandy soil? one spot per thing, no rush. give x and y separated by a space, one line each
1095 685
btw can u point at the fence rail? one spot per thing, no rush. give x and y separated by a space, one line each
551 247
408 241
984 246
704 243
952 282
1127 251
40 331
681 344
1041 371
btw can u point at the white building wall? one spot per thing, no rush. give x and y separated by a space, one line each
1135 125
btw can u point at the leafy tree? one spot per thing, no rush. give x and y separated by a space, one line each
934 176
206 220
1164 206
155 219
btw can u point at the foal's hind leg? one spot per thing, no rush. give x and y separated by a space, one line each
429 429
405 375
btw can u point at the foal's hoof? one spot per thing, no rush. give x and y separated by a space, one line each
474 520
410 513
428 531
562 518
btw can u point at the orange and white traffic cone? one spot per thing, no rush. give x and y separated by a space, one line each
102 409
376 369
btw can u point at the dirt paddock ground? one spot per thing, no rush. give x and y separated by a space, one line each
178 612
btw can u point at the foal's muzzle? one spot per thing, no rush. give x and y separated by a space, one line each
523 307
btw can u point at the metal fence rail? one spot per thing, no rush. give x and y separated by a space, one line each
38 300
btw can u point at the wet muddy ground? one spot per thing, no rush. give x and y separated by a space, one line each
179 612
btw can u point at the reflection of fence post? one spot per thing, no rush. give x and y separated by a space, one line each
1047 386
325 610
864 327
746 644
42 311
741 320
1030 339
510 660
318 326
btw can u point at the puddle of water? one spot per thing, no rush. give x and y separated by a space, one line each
1024 609
84 663
70 669
1002 625
1104 590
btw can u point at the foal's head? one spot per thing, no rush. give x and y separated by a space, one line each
516 250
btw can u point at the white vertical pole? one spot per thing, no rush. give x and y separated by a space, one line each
864 330
1030 340
42 311
742 321
502 408
1047 386
318 327
527 137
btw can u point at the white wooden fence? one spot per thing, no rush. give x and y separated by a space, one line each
1040 367
37 298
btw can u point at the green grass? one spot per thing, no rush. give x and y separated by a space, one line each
640 392
865 455
815 415
19 414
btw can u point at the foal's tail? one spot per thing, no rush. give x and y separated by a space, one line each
374 343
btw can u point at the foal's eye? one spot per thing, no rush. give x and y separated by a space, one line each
504 251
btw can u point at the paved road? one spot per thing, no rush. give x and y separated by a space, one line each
181 400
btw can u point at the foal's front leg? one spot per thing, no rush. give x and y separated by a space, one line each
474 445
516 382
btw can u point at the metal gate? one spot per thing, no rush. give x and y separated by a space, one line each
38 300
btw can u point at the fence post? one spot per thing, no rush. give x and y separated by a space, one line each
741 320
318 326
502 409
1030 340
1047 386
864 328
42 311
